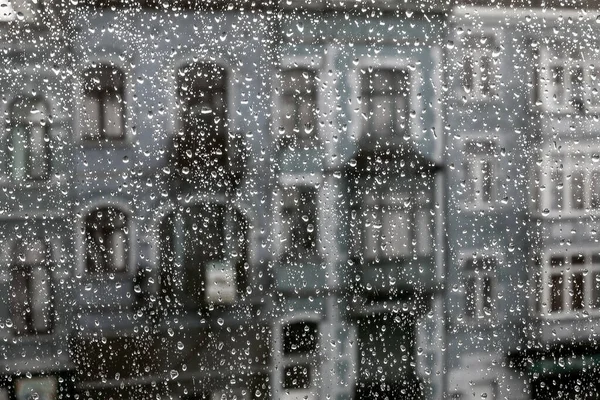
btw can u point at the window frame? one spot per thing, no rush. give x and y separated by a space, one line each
408 63
81 245
565 161
475 95
314 63
26 267
290 182
119 61
393 96
566 271
379 201
312 359
101 94
103 268
185 106
284 94
479 316
569 63
173 123
178 211
471 202
18 124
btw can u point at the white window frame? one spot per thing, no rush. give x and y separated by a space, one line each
546 89
409 64
569 156
54 179
377 203
476 54
479 276
474 202
588 270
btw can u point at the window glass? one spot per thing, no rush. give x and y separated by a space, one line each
32 299
480 273
385 95
103 107
106 241
299 99
29 140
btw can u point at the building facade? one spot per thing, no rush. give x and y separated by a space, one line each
298 200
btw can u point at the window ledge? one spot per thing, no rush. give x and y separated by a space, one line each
555 215
496 206
545 108
569 317
124 276
87 143
479 100
31 338
32 184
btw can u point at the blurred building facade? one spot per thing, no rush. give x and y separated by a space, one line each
326 199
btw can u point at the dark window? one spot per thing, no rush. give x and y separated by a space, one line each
31 287
300 228
556 294
479 287
300 337
385 95
480 170
103 114
204 245
167 258
106 241
478 67
299 103
214 255
203 112
570 283
395 226
296 377
29 140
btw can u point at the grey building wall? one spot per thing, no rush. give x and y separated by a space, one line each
396 326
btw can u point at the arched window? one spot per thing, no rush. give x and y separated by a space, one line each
103 114
31 289
106 241
29 140
203 116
